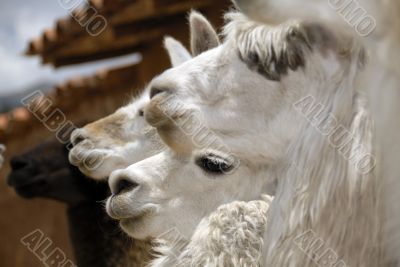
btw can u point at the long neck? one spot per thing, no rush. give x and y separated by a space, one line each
382 83
98 242
326 210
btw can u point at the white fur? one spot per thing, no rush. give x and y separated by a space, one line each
255 118
203 36
231 236
380 82
275 12
175 193
317 186
177 52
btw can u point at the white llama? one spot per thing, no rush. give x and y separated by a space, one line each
244 92
380 82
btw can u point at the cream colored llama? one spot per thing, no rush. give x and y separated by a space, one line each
381 80
244 93
115 141
124 137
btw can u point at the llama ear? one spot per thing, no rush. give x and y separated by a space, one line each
203 36
178 54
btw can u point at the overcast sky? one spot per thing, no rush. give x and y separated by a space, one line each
20 21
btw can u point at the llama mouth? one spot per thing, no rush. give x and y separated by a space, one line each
135 219
30 190
128 217
132 221
88 159
117 209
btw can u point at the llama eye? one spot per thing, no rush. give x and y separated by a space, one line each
213 164
141 113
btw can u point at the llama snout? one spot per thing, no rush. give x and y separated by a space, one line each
121 183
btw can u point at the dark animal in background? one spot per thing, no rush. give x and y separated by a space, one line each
44 172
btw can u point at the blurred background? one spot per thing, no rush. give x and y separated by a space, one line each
88 58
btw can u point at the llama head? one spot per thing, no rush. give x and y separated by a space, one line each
122 138
227 116
45 172
245 88
115 141
170 193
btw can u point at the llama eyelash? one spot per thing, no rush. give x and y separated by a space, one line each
213 164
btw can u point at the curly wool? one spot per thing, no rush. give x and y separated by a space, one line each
230 236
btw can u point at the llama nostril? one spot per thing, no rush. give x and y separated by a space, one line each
77 137
155 91
18 163
78 140
124 185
